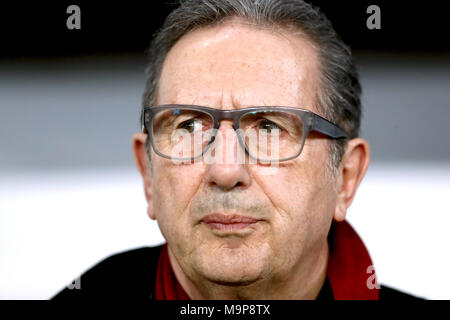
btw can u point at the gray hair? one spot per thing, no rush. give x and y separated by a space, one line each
338 98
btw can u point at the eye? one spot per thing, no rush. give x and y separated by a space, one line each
191 125
268 126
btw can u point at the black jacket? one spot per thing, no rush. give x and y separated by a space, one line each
130 275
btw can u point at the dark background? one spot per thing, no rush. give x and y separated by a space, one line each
38 28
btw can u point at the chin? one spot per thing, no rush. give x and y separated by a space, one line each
232 267
232 282
240 277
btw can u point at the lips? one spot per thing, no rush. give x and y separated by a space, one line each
228 222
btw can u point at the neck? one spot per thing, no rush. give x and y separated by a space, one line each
303 282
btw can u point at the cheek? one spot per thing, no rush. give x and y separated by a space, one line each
173 188
302 196
316 196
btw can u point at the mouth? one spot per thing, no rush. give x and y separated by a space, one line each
232 222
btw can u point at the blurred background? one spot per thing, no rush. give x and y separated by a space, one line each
69 104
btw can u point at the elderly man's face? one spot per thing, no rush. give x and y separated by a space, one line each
232 66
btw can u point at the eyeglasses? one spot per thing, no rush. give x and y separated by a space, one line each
267 134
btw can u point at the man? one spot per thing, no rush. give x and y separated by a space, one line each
250 158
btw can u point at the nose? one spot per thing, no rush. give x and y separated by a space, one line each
227 167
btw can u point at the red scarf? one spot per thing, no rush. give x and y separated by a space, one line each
347 271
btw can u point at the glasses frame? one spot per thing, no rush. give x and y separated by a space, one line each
310 121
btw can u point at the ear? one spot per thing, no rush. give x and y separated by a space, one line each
140 157
354 164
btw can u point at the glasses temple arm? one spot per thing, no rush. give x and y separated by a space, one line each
328 128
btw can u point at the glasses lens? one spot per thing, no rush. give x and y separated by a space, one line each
182 133
271 135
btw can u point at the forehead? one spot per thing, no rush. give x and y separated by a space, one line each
236 64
